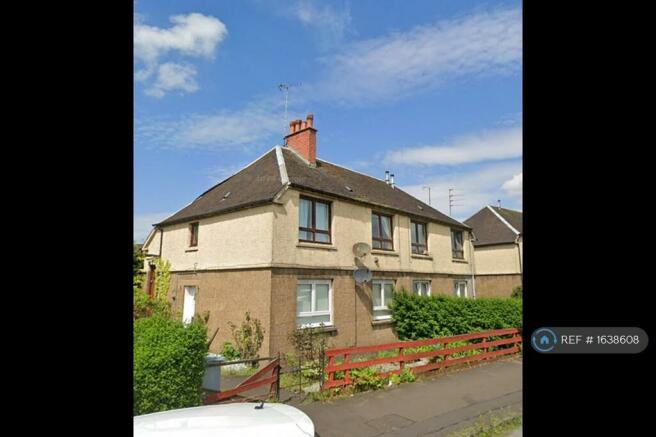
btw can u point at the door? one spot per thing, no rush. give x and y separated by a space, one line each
189 304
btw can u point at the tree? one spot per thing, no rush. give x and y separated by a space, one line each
137 265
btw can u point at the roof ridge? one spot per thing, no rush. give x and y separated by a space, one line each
503 220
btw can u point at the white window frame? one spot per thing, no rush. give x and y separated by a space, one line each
186 318
424 281
314 283
455 287
382 283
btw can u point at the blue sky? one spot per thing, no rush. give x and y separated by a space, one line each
430 90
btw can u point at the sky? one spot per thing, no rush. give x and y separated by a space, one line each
430 90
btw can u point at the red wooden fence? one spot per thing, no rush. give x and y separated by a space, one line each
488 349
254 381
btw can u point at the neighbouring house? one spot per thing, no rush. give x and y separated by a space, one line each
277 239
498 250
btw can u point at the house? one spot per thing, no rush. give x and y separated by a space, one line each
277 238
498 250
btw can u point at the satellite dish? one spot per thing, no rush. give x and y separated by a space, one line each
361 275
361 249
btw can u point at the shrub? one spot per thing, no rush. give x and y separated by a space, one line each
169 363
417 317
229 352
517 293
309 343
407 376
248 337
145 306
366 379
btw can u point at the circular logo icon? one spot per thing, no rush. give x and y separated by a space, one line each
544 340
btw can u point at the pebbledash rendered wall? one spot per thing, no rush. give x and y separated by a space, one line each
251 260
498 269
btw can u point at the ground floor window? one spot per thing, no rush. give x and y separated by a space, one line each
314 303
460 288
189 304
382 291
421 288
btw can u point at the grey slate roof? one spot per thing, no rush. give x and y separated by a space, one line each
260 182
489 229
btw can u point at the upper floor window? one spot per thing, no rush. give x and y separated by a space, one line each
421 288
457 246
313 303
193 234
419 238
381 231
314 220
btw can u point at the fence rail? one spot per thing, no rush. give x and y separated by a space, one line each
485 345
258 379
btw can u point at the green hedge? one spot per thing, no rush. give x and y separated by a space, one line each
417 317
169 363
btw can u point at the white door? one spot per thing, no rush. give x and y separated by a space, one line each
189 305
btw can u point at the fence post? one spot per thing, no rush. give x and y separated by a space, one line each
347 373
401 363
278 379
322 364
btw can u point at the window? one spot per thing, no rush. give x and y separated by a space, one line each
313 303
314 221
381 231
189 304
382 292
419 238
456 245
421 288
460 288
193 234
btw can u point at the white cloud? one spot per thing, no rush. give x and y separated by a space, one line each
236 129
478 187
192 35
513 186
330 22
487 146
407 62
143 223
173 77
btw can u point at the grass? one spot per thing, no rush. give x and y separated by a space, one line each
247 371
496 426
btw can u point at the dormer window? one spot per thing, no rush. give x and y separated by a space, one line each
193 234
314 221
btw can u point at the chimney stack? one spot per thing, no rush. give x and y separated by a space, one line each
392 180
387 177
302 138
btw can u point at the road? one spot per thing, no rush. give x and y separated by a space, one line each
436 406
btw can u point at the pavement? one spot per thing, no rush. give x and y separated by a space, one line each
431 407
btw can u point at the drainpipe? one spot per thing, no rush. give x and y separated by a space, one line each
519 257
472 262
161 238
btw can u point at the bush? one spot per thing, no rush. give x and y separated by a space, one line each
169 363
517 293
418 317
145 306
248 337
229 352
366 379
407 376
